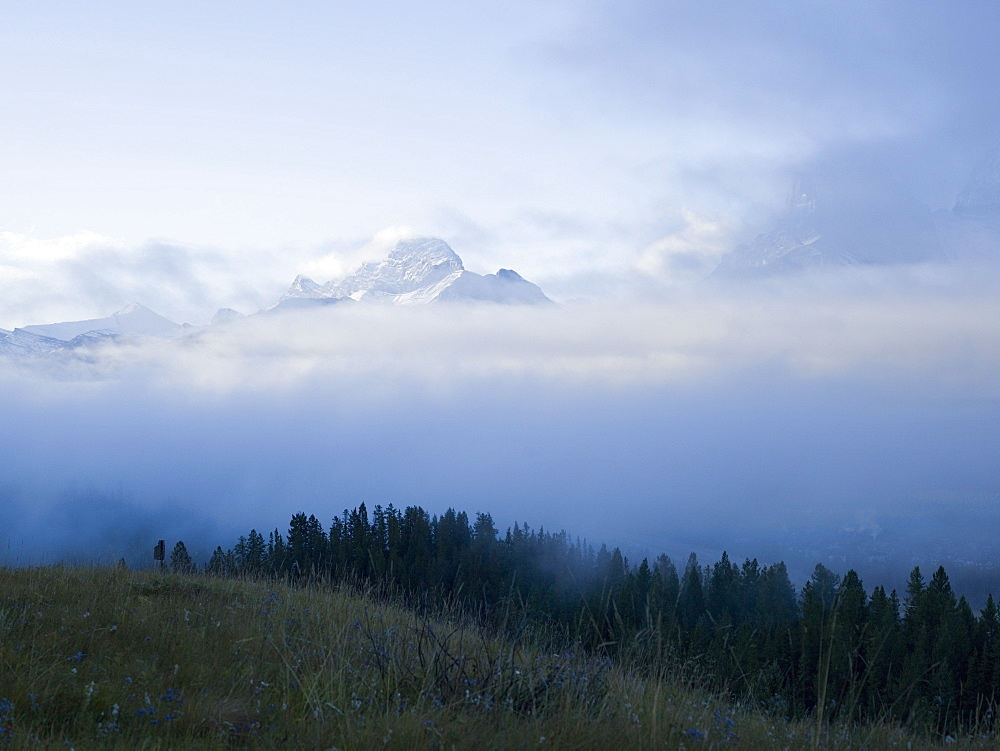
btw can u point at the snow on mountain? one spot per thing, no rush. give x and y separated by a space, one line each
415 271
132 320
419 271
303 286
89 339
20 342
505 286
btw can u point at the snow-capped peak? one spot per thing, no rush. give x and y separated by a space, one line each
411 265
417 271
303 286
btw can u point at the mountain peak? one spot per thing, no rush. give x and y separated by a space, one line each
417 271
802 198
424 250
411 266
302 286
224 315
132 307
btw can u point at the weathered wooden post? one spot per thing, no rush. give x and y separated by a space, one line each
159 552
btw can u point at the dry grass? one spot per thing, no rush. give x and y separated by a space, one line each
108 658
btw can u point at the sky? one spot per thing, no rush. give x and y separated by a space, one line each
194 157
191 157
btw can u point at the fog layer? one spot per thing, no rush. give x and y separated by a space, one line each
707 420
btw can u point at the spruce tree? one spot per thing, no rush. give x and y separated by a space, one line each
180 561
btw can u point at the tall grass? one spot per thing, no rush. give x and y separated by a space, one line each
109 658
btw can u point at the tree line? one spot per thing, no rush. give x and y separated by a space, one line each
831 649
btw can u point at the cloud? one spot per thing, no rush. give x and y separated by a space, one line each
712 413
692 251
343 260
87 275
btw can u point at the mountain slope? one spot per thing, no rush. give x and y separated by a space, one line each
132 320
20 342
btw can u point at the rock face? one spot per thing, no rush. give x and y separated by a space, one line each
416 272
838 227
981 195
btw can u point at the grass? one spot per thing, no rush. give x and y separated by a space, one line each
109 658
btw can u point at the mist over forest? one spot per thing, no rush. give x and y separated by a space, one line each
846 419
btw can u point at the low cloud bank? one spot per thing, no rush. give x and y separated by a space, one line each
712 417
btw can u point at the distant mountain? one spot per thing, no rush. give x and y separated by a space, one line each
796 242
20 342
132 320
981 195
417 272
839 227
225 315
971 230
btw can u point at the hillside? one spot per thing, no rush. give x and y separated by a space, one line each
110 658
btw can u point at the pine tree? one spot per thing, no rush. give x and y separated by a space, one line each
818 619
691 600
180 561
883 651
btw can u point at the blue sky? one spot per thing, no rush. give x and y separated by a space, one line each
573 141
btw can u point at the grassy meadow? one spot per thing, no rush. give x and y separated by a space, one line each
112 658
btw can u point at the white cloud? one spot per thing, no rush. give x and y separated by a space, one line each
923 329
692 251
342 261
29 250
